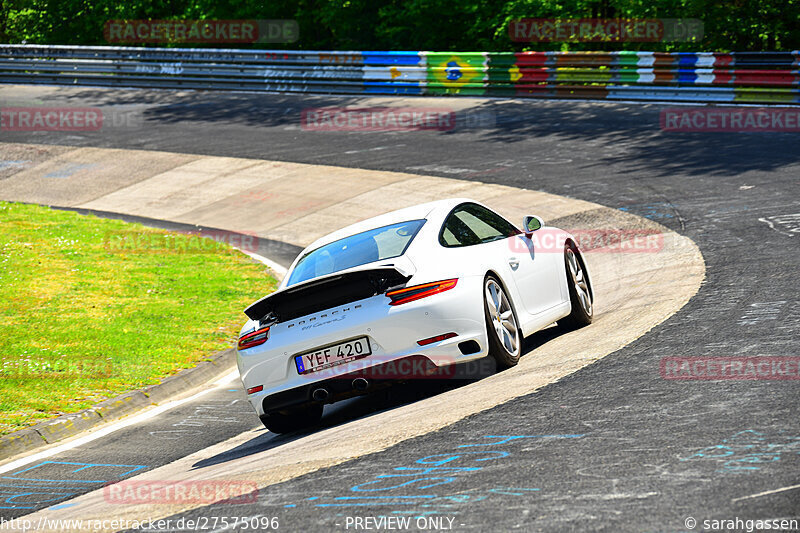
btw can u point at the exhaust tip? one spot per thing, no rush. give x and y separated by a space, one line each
320 395
360 384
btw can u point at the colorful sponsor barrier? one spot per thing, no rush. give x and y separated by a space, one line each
394 72
456 73
735 77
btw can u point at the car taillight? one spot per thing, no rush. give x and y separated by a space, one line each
437 338
254 338
409 294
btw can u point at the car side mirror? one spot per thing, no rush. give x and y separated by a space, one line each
531 223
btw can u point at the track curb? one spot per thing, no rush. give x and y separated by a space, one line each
69 425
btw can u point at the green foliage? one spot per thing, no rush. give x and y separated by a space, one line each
438 25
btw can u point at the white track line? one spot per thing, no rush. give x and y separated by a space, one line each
766 493
116 426
272 265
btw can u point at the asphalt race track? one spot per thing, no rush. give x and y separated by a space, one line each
612 447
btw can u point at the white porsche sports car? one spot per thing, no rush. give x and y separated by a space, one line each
402 296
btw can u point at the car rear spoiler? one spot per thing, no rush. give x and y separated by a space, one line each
327 292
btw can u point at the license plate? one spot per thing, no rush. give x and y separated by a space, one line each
337 354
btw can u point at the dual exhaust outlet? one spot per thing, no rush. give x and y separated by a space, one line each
321 394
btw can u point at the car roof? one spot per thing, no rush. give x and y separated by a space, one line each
421 211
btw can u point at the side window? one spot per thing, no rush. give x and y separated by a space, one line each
449 238
471 224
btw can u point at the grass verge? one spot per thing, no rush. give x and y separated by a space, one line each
91 308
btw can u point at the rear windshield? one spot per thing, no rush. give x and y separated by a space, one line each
359 249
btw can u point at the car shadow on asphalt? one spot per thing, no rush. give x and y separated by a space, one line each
363 407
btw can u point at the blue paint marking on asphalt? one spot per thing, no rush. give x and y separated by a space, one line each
383 497
15 507
9 163
10 494
376 500
433 475
440 481
417 514
30 505
369 504
35 493
82 466
69 169
16 486
746 451
453 469
37 490
452 457
61 506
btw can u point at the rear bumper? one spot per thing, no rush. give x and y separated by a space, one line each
393 332
342 386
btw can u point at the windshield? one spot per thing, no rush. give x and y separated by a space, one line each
366 247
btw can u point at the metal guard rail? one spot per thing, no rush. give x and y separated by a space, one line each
736 77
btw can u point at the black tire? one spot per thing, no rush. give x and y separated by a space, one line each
580 290
293 419
506 351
